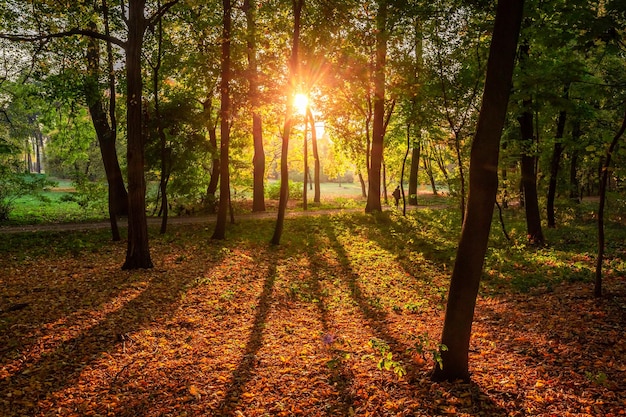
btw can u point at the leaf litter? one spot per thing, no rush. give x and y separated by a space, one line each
336 322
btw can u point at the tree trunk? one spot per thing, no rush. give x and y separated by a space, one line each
554 163
574 192
482 195
429 171
258 160
406 155
414 173
284 166
138 252
305 151
316 156
107 136
363 187
222 211
528 161
597 290
378 131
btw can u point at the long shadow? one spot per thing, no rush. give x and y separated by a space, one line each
245 371
47 297
340 374
375 317
61 368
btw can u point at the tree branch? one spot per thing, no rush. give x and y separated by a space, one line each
159 13
71 32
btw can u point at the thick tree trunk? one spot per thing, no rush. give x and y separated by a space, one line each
107 136
222 210
138 252
378 129
482 194
597 290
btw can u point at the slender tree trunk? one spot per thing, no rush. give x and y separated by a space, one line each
316 156
554 163
258 161
413 175
107 136
222 211
384 182
378 131
482 195
165 152
363 187
138 252
215 169
429 171
574 193
284 166
597 290
528 161
406 155
459 160
305 151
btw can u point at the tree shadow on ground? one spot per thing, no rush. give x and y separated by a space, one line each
246 368
54 370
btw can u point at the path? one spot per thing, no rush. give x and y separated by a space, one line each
58 227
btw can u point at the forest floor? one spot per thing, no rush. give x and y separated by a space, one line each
341 319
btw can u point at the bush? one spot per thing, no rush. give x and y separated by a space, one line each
272 191
14 186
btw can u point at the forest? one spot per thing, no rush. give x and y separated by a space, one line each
339 207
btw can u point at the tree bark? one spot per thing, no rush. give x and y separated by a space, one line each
222 211
316 156
482 194
107 137
554 163
284 166
574 191
528 166
597 289
138 252
413 175
258 160
378 130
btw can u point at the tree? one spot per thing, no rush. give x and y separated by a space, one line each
258 162
483 185
222 211
604 175
105 124
378 128
291 86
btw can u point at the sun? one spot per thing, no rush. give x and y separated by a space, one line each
301 102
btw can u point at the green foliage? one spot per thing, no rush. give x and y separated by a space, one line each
14 186
272 190
89 194
425 347
384 357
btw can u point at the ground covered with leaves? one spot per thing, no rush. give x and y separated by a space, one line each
342 319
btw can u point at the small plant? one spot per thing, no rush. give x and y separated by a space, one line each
385 357
599 379
425 347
